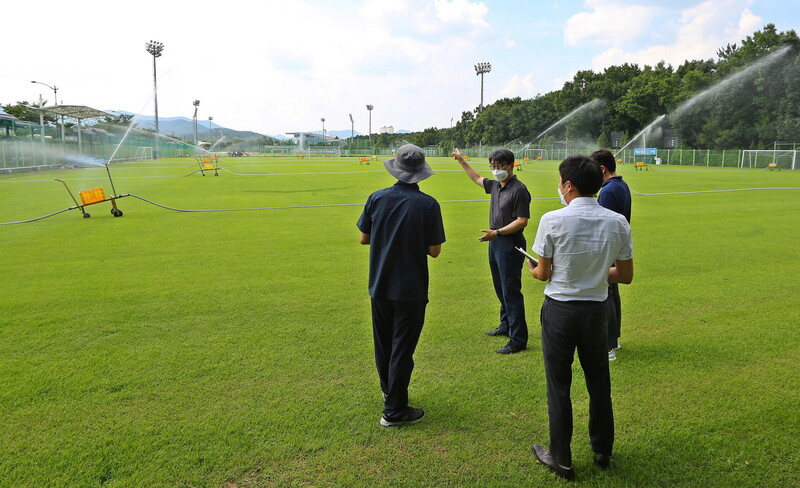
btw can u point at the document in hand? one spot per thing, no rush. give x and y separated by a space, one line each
527 255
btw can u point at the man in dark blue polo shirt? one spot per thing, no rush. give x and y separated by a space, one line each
509 212
614 195
402 226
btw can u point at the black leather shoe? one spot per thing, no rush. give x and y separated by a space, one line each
497 332
602 461
510 349
543 456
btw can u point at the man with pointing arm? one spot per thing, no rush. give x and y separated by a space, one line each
509 212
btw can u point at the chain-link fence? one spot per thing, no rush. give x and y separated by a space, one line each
18 153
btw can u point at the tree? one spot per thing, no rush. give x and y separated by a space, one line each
23 111
750 111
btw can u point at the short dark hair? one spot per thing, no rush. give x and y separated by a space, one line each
605 158
583 172
502 156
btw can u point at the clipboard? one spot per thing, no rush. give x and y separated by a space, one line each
535 262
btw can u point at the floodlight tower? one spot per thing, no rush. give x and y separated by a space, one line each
352 128
370 107
55 102
155 48
480 70
196 104
210 132
323 128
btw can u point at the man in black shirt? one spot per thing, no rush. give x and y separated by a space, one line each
614 195
403 226
508 215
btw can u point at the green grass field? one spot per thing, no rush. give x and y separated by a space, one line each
234 349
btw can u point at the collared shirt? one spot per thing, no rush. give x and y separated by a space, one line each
583 239
615 195
508 202
401 222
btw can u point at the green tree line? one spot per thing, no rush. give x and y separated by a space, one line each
756 102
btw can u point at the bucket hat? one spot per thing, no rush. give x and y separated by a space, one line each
409 165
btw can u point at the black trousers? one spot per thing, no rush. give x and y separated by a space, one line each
614 316
567 326
396 327
506 265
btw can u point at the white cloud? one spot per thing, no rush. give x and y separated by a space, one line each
699 32
518 86
748 23
610 23
462 12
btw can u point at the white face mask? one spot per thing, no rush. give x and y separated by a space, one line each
500 174
561 196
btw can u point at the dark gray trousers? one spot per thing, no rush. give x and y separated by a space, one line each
396 327
506 265
614 316
566 326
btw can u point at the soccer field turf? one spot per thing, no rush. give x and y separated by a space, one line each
234 348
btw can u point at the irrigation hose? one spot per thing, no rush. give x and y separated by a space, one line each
38 218
166 207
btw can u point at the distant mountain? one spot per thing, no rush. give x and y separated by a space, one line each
183 128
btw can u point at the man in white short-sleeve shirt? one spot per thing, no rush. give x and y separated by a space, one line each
577 246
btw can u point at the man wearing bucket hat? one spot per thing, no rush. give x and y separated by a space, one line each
509 212
402 226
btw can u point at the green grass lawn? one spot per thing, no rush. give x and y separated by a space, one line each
234 349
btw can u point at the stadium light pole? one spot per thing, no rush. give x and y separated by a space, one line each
55 102
370 107
352 128
196 104
210 132
480 70
155 48
323 129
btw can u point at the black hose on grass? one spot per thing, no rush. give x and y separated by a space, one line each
38 218
360 204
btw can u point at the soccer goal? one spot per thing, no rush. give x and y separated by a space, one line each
769 158
144 152
324 151
534 154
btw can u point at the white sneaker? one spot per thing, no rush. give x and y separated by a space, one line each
619 346
612 356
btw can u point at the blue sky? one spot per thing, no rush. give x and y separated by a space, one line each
277 66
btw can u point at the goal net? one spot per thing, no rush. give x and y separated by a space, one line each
534 154
324 151
763 158
144 152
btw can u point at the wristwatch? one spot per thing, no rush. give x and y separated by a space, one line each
498 233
